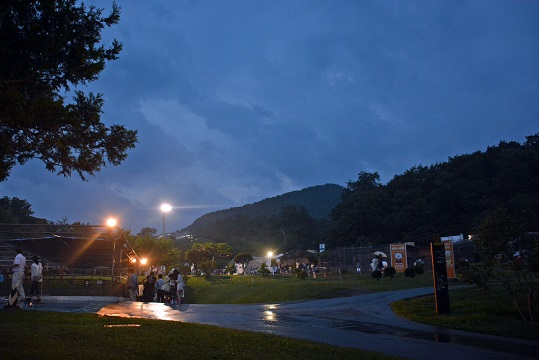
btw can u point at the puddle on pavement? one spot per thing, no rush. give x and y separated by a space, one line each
121 325
438 336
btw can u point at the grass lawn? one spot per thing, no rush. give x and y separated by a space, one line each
487 312
49 335
258 289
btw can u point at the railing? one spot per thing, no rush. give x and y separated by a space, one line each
71 286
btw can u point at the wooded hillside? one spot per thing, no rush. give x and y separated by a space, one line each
296 219
443 199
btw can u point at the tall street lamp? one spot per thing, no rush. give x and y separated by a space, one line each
165 208
111 224
270 254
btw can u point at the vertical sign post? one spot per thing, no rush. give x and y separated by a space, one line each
439 274
449 259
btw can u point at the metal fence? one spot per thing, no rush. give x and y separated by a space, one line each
71 286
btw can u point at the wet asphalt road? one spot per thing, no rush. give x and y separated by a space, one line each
363 321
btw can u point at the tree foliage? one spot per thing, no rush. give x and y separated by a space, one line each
243 259
206 256
17 211
148 231
158 251
510 257
48 48
448 198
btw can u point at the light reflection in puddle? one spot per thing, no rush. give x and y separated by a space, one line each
121 325
269 316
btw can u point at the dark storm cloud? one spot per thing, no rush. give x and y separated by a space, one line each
238 101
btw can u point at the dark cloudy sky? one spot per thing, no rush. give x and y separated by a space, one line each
237 101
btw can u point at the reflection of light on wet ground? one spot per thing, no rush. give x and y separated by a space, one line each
269 316
437 336
121 325
163 312
156 310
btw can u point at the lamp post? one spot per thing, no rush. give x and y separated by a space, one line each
143 263
270 254
165 208
111 224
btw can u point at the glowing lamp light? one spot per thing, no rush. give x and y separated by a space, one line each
166 208
270 254
143 261
111 222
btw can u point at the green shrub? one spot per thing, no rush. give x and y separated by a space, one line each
389 272
409 272
376 274
231 268
300 274
263 270
478 274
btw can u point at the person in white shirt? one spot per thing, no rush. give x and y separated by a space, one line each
180 288
37 278
17 279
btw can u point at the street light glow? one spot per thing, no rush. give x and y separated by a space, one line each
111 222
270 254
143 261
165 208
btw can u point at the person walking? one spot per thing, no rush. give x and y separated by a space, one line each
37 278
159 288
180 288
132 284
170 286
358 268
17 279
149 287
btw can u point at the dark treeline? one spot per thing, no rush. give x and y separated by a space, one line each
448 198
17 211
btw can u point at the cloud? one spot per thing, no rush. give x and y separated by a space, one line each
235 102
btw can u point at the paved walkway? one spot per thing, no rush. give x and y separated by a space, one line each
363 321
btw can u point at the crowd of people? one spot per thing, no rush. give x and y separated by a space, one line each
168 290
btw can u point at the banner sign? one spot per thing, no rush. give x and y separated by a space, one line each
449 259
398 257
